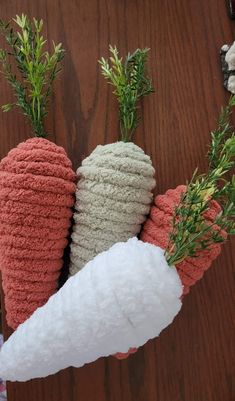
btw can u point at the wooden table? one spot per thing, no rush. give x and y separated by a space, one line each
192 359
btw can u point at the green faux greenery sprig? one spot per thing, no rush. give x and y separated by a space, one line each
37 68
131 82
191 232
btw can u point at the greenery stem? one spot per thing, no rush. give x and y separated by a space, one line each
191 232
37 69
131 82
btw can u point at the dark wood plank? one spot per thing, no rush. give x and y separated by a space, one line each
192 359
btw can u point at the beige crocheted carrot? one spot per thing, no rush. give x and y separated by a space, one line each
114 191
36 179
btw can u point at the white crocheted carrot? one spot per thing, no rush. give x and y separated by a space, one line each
114 191
102 309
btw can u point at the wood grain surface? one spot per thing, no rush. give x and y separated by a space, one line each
193 358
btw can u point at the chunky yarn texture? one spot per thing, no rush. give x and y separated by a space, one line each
113 197
123 297
37 186
156 231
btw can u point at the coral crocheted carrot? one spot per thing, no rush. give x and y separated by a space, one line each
37 183
192 221
115 184
158 227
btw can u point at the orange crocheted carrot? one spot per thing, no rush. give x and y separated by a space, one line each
190 222
37 183
158 227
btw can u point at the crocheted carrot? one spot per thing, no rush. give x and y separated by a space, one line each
113 193
36 179
191 222
122 297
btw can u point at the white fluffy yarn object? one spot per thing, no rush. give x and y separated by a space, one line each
231 84
122 298
230 57
113 198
